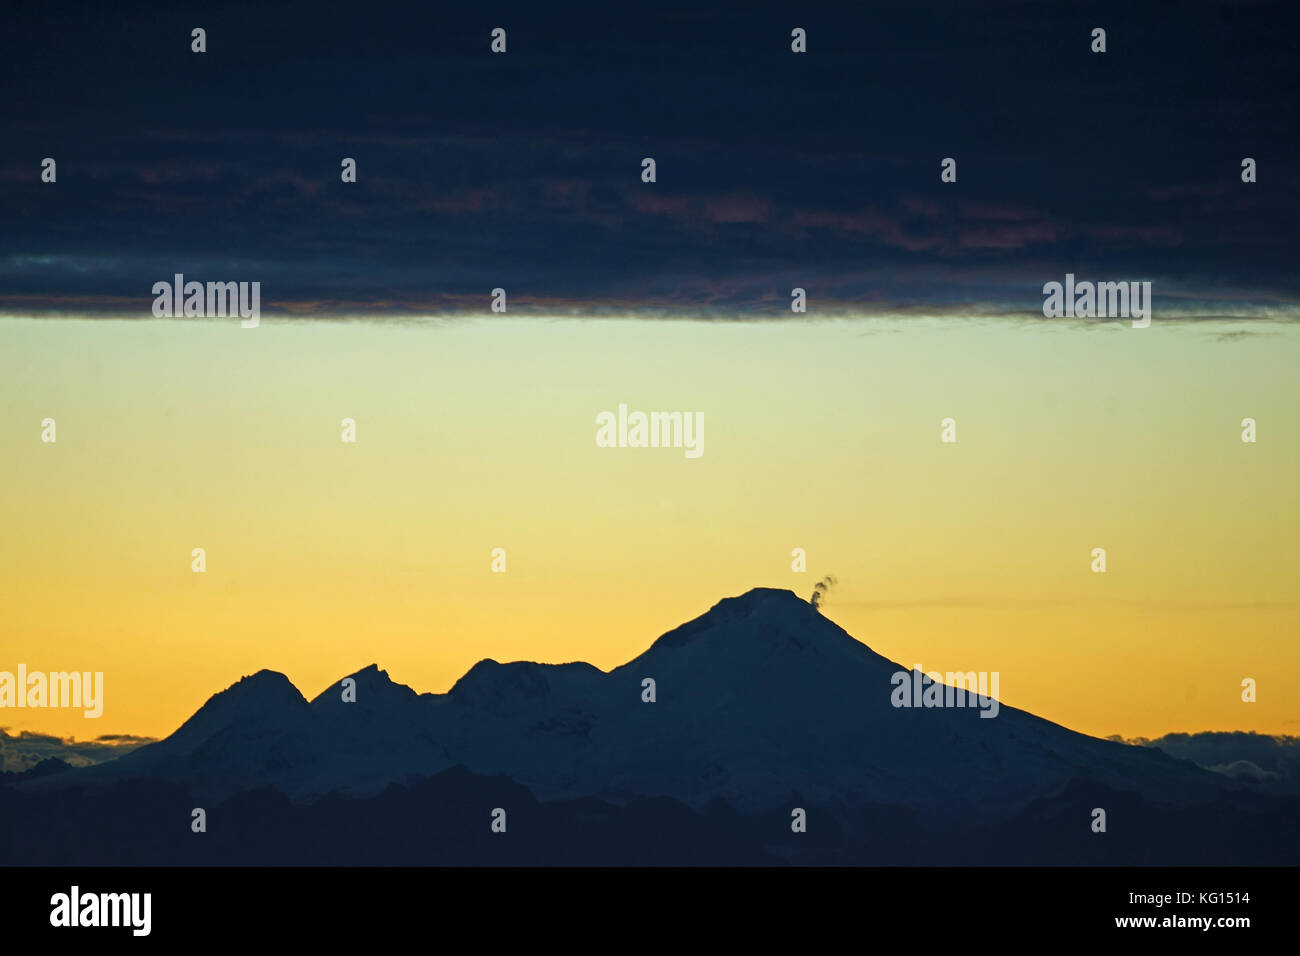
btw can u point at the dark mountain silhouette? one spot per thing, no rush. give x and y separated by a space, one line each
47 767
762 705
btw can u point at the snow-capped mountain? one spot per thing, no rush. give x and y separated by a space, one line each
758 702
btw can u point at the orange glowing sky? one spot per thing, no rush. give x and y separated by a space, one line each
476 434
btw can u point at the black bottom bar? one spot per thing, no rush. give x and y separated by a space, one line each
365 906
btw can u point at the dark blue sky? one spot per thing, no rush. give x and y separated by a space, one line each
775 170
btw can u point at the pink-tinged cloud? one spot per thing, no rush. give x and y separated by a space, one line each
1010 236
1186 190
923 207
305 186
726 208
999 212
1166 234
458 200
737 207
870 222
562 188
20 173
179 173
661 204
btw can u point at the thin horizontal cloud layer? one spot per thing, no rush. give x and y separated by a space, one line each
26 750
1256 758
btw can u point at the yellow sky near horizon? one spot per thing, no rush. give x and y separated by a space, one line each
323 557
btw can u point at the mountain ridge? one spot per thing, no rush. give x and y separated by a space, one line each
758 698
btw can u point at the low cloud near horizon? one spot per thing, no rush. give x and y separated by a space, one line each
28 749
1241 755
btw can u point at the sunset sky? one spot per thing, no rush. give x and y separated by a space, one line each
775 170
475 434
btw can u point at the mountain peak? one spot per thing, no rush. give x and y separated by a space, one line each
761 610
764 598
264 687
371 684
756 698
265 697
262 684
370 674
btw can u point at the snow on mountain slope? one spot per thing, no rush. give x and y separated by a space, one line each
760 702
258 732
